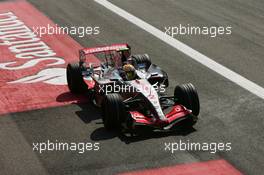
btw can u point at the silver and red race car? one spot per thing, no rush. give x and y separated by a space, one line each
131 103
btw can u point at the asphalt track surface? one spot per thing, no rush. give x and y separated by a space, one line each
229 113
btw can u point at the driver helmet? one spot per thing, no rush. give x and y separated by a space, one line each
130 71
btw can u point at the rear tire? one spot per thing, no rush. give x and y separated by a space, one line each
142 59
166 79
75 80
188 97
113 111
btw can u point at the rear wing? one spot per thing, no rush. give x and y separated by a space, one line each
113 47
92 50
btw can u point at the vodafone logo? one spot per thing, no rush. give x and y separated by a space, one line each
29 50
105 48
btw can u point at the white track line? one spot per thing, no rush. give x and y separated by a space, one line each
199 57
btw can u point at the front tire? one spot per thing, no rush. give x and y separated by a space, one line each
113 111
187 95
75 80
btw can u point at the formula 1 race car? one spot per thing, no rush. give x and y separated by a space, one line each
131 103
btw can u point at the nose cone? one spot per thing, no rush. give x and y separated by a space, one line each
150 93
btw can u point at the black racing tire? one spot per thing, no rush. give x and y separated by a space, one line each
166 79
113 111
166 83
187 95
139 59
75 80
